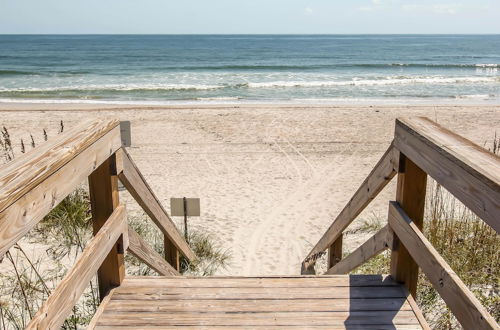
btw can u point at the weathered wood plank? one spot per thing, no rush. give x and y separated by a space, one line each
271 305
378 178
412 184
148 255
464 305
172 293
268 327
255 302
171 253
135 183
60 303
20 217
264 282
372 247
468 171
104 198
100 310
250 319
26 172
335 252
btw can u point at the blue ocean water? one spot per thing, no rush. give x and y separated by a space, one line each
249 68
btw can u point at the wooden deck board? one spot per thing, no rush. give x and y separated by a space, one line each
262 282
333 302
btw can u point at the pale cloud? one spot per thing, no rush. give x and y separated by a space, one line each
308 10
377 5
447 8
365 8
442 8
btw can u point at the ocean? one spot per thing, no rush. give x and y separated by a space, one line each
163 69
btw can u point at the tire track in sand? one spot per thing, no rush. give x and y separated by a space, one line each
264 241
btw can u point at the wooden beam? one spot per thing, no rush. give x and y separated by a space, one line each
410 194
60 303
371 248
140 249
26 172
378 178
469 172
171 253
103 189
22 215
135 183
464 305
335 252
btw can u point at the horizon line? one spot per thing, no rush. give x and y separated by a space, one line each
254 34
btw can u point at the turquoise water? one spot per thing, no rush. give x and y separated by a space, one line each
249 68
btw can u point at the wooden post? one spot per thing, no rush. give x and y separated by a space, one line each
335 252
103 189
411 188
171 253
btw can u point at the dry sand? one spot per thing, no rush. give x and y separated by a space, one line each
271 178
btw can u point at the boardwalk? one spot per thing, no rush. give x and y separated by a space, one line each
326 302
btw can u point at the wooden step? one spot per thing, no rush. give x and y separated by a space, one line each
325 302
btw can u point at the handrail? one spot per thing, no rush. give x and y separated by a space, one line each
140 249
462 302
373 246
60 303
379 177
136 184
23 173
33 184
469 172
420 148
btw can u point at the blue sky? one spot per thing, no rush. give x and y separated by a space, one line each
256 16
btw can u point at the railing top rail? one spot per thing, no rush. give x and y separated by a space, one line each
137 186
469 172
471 157
35 183
22 174
462 302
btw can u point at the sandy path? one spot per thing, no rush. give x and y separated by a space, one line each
270 178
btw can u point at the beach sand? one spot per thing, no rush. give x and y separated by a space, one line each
271 178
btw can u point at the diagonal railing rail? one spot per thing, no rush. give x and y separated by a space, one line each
32 185
420 148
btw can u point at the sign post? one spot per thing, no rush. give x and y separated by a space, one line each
184 202
184 207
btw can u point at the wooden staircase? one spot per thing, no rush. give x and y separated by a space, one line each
34 184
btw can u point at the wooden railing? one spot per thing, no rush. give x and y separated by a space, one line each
420 148
32 185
